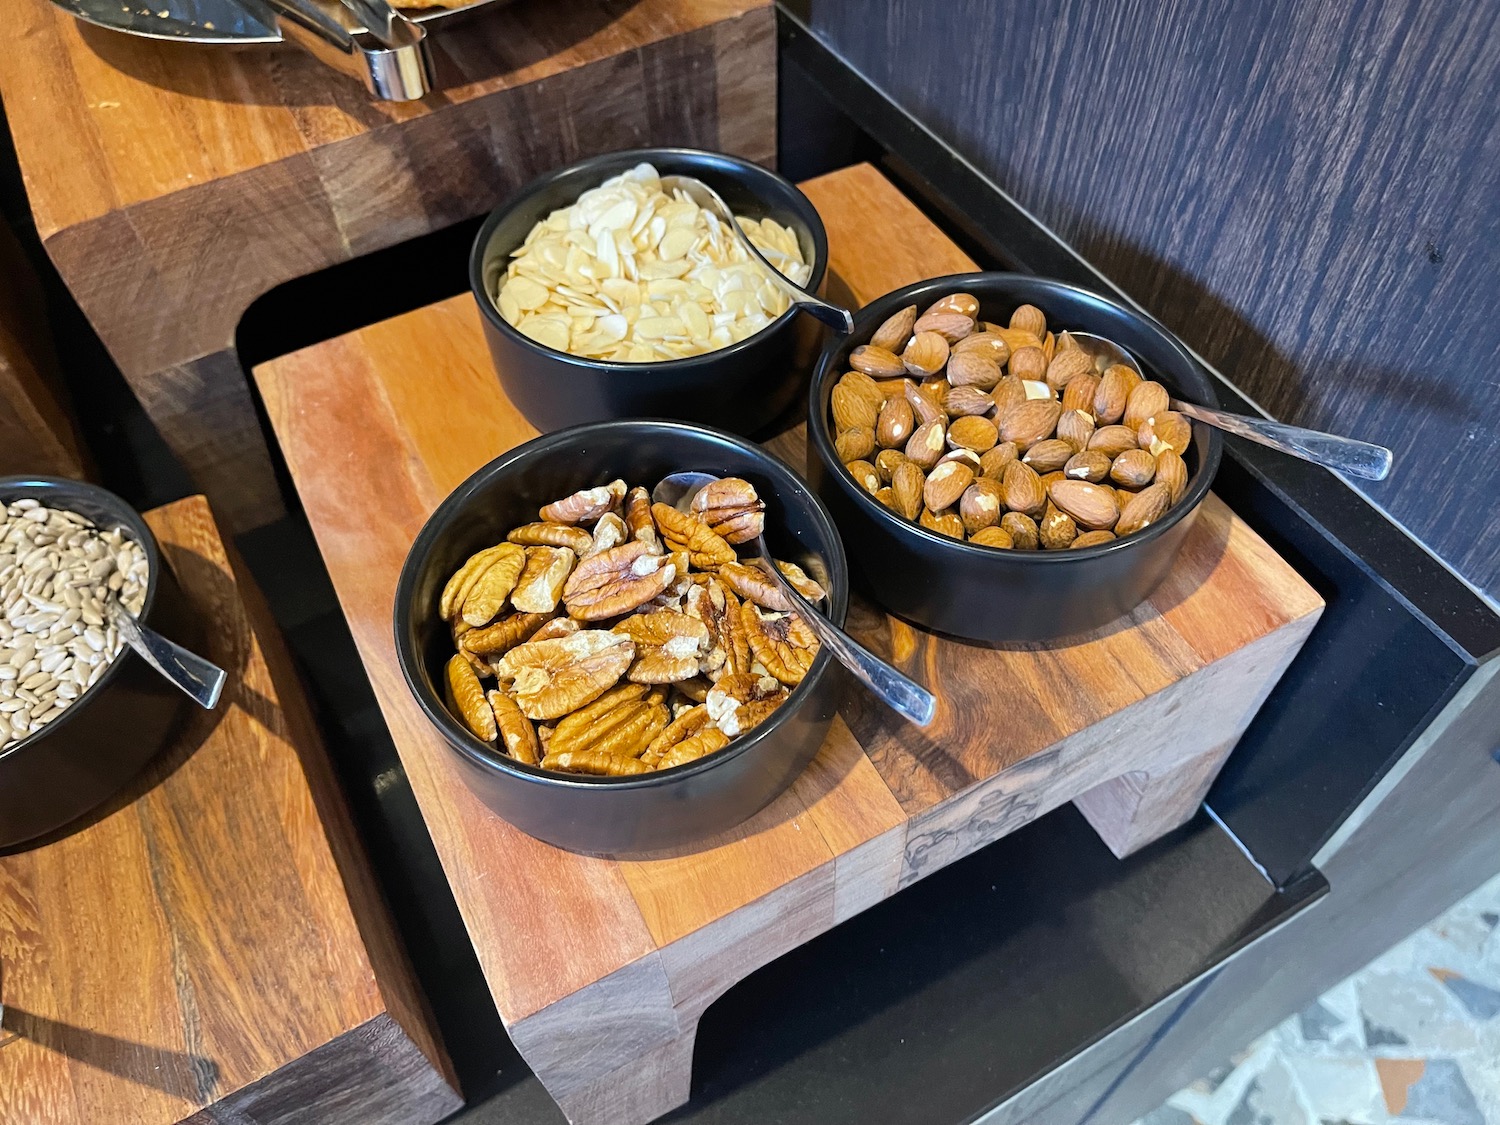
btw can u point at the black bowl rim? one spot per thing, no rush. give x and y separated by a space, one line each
817 426
131 520
491 312
479 753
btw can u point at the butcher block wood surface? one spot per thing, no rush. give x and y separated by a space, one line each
1131 722
174 184
210 946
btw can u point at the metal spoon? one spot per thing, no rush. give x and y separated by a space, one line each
897 691
1341 454
839 319
199 678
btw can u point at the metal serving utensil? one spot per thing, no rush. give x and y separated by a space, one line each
199 678
896 690
838 318
1341 454
390 55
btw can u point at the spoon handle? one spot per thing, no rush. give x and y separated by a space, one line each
896 690
199 678
1341 454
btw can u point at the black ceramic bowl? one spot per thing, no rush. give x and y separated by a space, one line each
980 593
610 815
86 754
739 388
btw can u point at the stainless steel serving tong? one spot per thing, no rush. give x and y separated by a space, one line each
367 39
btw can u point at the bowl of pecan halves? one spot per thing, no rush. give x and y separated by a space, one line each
616 675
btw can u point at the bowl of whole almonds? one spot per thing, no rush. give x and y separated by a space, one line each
615 674
602 295
80 713
994 478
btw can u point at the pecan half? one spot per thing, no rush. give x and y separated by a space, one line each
586 505
801 581
468 698
625 730
574 727
593 762
609 532
551 535
695 690
691 749
496 640
737 703
731 509
750 582
541 583
493 584
782 642
686 532
638 519
552 678
669 645
616 581
517 734
685 726
728 647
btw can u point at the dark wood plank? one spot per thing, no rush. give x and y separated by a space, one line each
1308 194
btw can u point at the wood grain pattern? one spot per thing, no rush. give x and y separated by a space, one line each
173 186
211 945
608 1024
1306 193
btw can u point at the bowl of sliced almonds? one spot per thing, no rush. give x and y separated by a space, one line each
614 674
604 293
997 477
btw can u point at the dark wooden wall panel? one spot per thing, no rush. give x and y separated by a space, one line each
1309 193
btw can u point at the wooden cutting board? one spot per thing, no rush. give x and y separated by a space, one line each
1132 722
210 946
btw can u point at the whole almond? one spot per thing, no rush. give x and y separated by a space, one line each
1092 506
895 331
1075 427
927 444
855 401
972 432
1167 430
1067 366
924 406
1091 539
968 400
993 461
1028 363
989 344
1079 394
1030 422
1113 393
855 444
1007 393
1022 489
1144 509
981 505
878 363
1112 440
1049 346
951 326
1066 343
946 483
1022 529
973 369
907 484
1146 400
886 462
1056 529
937 389
1171 470
963 456
1049 456
925 355
1135 468
1016 338
1090 465
895 423
993 537
887 496
864 475
964 304
944 523
1029 318
1124 496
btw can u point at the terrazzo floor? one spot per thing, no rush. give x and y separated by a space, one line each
1411 1039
